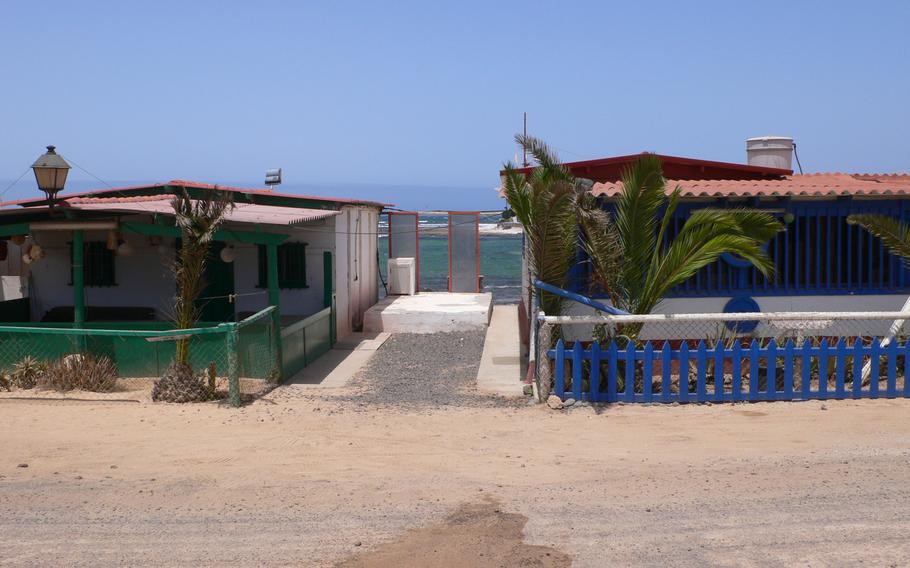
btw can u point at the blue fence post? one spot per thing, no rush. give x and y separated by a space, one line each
612 372
719 371
560 369
841 368
594 380
666 363
684 372
630 372
823 369
771 366
577 367
805 363
788 369
753 370
646 371
891 355
874 362
701 365
857 367
736 370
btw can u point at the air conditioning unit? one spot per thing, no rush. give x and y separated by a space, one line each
402 276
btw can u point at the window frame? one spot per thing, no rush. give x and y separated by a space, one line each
291 258
92 276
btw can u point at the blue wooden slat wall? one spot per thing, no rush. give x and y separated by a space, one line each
818 253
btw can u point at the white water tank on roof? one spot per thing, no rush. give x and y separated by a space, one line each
770 152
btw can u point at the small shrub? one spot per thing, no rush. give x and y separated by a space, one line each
180 384
85 372
27 372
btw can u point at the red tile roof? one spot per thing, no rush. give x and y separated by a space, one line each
810 185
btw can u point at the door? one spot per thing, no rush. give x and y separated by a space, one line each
218 284
214 301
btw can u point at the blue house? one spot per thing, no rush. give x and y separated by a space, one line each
822 263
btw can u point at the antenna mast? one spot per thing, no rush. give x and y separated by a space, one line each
524 151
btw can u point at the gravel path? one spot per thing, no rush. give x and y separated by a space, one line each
426 370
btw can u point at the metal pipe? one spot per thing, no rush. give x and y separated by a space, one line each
73 225
743 316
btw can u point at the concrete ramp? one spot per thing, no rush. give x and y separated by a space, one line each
429 312
500 364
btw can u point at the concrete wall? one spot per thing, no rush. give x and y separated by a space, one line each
356 282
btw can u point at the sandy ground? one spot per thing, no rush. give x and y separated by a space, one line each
307 478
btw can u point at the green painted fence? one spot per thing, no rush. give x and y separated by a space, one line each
306 340
145 349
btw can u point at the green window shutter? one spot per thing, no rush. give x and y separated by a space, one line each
291 266
99 264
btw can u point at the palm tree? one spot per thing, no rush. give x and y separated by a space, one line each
630 259
894 234
197 219
544 201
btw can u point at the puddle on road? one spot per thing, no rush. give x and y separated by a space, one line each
476 534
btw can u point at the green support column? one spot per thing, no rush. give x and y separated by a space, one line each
78 279
271 250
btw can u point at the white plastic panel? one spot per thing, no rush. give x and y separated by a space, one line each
464 252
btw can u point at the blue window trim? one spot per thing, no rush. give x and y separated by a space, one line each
851 263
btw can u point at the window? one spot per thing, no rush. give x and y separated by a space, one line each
97 264
291 266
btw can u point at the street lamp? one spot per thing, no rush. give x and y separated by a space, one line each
50 173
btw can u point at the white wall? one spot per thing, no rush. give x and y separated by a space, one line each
143 278
301 302
356 282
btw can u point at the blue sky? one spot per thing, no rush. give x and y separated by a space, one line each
417 102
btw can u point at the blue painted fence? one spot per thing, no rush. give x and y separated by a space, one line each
731 373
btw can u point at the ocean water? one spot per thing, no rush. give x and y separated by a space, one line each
500 260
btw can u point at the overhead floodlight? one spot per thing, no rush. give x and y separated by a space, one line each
273 177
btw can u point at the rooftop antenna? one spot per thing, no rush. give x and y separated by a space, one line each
524 151
273 177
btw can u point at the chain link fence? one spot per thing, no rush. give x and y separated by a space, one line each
146 349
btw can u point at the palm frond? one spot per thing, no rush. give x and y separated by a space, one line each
636 218
894 234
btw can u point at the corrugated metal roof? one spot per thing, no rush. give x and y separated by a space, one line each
104 193
241 213
806 185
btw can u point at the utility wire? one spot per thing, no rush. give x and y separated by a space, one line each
70 160
10 186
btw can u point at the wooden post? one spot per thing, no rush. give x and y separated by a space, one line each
271 250
78 278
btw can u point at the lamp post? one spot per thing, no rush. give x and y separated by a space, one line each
50 172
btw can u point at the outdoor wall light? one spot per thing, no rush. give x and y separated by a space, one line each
228 254
124 248
50 173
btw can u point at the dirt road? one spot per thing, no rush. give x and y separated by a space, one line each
296 479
